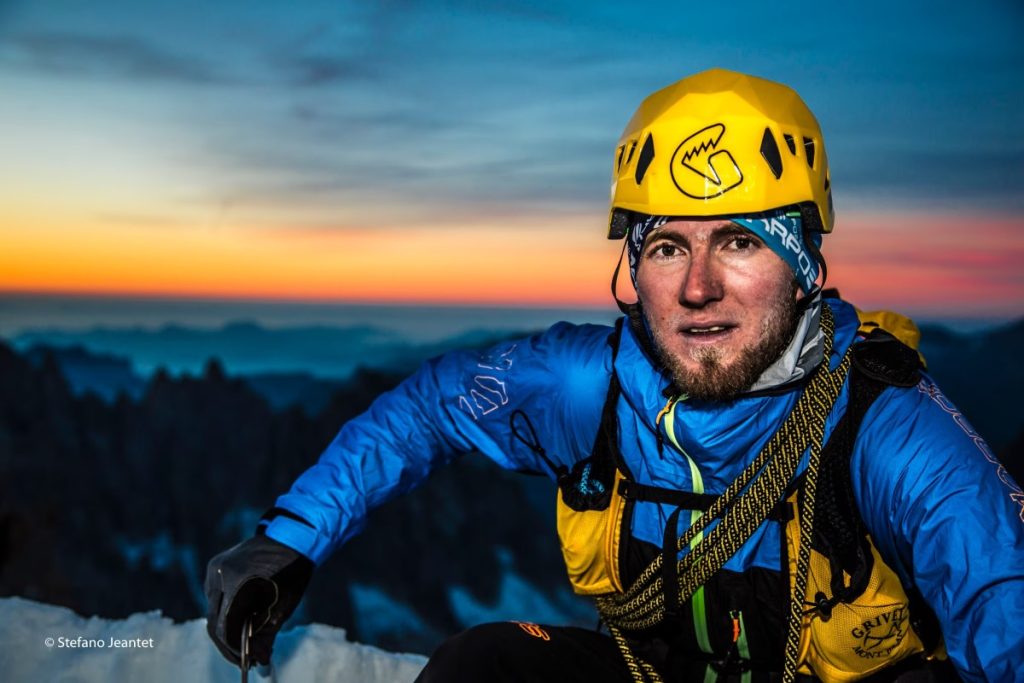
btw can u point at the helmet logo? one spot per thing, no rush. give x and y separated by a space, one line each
701 170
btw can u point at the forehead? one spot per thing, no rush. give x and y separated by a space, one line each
696 229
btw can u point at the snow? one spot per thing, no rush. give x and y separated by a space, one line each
154 649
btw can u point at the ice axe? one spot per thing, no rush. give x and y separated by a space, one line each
266 670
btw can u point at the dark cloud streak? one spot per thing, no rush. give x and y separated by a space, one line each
346 164
324 70
124 57
69 54
966 176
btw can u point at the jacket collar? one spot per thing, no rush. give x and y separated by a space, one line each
646 383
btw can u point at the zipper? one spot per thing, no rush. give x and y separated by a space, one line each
700 617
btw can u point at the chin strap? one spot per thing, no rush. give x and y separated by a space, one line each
626 308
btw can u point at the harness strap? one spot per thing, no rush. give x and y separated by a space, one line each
670 570
687 500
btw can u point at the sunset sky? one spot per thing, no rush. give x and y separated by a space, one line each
460 152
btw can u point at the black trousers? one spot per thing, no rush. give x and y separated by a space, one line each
516 652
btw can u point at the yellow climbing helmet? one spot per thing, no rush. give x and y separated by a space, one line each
721 143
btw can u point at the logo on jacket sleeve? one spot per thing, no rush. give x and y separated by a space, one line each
488 393
701 170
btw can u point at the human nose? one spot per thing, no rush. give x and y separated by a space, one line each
701 284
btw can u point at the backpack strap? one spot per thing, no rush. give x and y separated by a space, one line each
877 362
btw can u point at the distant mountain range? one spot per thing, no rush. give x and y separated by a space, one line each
981 373
300 366
247 348
108 376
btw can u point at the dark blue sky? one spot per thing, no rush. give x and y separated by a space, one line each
325 103
329 118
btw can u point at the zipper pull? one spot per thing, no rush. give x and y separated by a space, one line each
657 427
669 406
733 653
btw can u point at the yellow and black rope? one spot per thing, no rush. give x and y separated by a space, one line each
744 505
641 671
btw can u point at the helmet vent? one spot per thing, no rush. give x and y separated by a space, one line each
645 159
618 164
632 148
809 147
790 143
770 152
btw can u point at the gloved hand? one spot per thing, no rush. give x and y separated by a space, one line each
259 578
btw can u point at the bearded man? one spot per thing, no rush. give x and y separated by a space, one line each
755 480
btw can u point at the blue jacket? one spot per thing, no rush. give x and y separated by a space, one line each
941 510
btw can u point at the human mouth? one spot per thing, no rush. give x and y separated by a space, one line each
707 332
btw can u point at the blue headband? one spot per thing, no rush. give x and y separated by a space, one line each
781 230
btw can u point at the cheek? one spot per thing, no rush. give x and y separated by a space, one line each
646 285
656 291
766 279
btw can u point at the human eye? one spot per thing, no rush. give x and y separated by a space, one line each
663 251
743 243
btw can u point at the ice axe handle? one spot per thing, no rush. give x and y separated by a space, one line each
246 643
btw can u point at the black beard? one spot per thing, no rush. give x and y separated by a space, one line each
715 382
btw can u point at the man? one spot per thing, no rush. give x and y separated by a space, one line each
754 482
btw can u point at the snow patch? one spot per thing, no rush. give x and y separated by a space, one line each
36 644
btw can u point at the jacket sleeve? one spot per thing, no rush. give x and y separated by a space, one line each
950 518
456 403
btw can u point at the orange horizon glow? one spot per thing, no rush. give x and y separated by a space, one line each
965 266
495 262
924 263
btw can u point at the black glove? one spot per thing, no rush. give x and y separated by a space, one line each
258 578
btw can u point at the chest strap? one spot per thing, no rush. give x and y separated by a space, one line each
687 500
